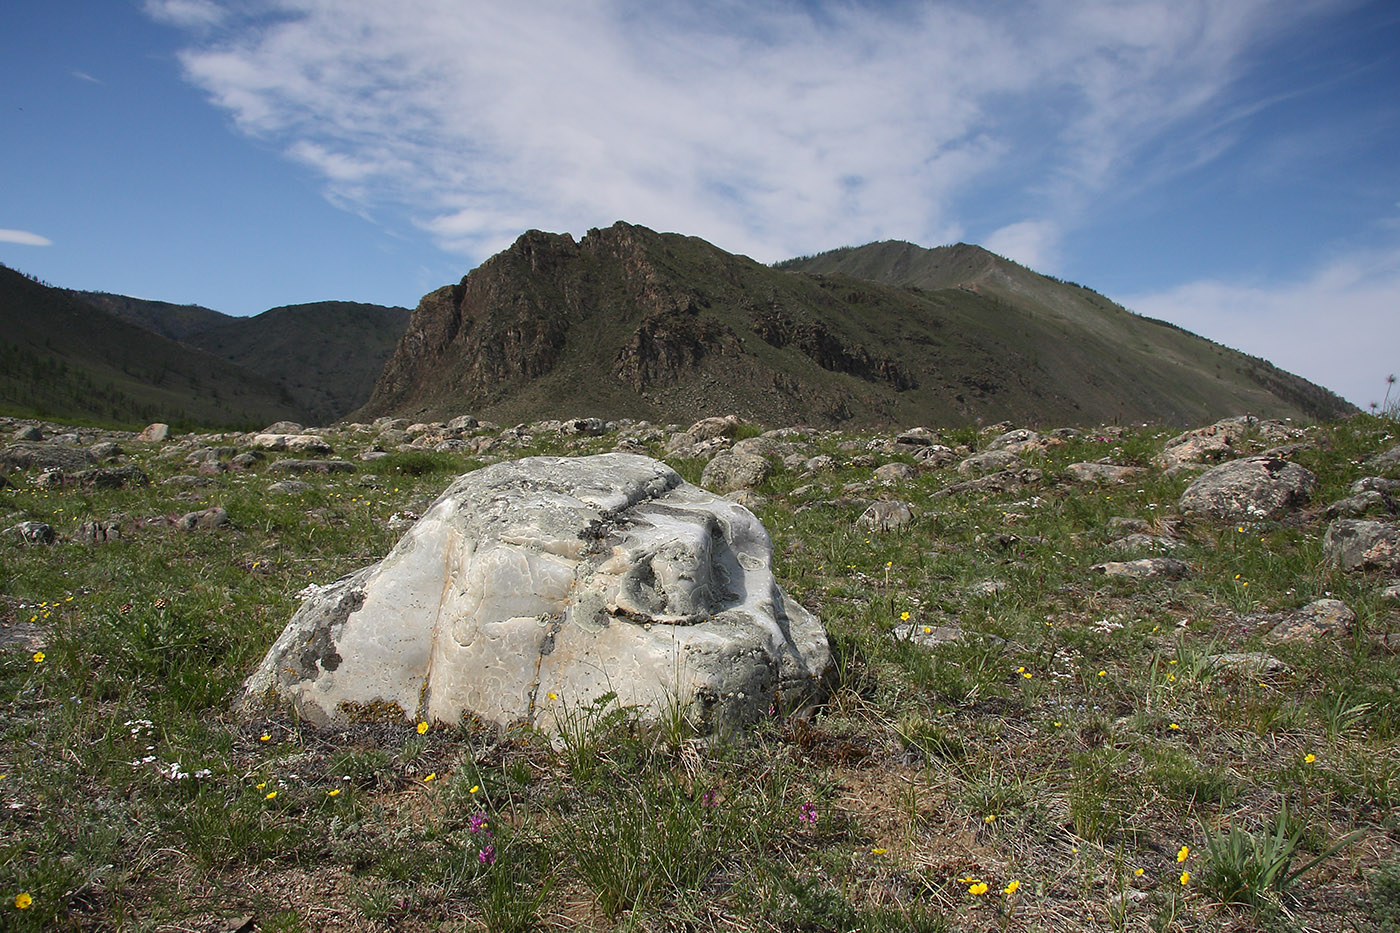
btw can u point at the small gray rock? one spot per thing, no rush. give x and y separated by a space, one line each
33 533
1359 544
154 433
28 433
886 515
1321 618
95 532
988 461
203 520
730 471
1257 662
895 473
1101 472
1147 568
312 466
1358 505
289 487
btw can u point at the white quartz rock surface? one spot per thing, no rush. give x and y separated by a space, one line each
530 589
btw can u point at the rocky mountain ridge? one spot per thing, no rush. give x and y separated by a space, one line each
631 323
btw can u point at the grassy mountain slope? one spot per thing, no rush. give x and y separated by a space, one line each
629 322
61 357
1107 327
326 355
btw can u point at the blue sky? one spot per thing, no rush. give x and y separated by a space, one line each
1231 166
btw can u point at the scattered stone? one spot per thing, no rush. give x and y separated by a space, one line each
916 437
820 464
289 487
312 466
203 520
1385 462
533 588
730 471
1249 489
28 433
589 427
154 433
935 455
462 423
105 450
988 461
886 515
1377 483
1019 441
1104 473
1147 568
1392 593
987 587
766 446
1211 444
299 443
28 456
95 532
895 473
1359 544
283 427
32 533
246 460
1003 481
1129 525
1322 618
182 479
1360 504
50 479
119 477
1144 542
1256 662
747 498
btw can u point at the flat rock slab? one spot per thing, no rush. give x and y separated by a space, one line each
1319 619
533 588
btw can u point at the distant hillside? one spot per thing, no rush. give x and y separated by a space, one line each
326 355
1105 323
629 322
62 358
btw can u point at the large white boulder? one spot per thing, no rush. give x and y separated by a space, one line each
531 588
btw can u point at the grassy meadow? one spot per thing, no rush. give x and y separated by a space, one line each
1077 760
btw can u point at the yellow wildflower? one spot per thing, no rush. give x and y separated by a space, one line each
475 788
333 792
38 657
23 900
878 851
270 795
422 727
431 777
1186 877
904 617
1011 887
978 889
1309 758
1183 854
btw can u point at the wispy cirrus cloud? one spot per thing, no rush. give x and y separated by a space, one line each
24 238
770 128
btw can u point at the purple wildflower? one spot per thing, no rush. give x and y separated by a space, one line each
478 823
487 856
807 813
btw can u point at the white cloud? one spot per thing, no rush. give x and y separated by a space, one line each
1032 243
186 14
767 128
1339 326
84 76
24 238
